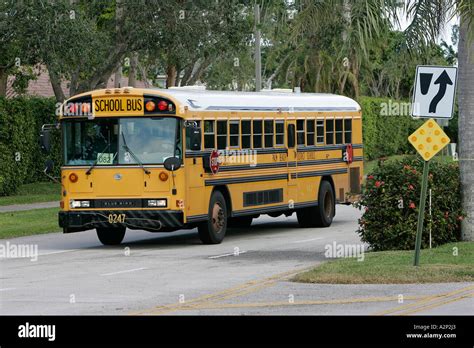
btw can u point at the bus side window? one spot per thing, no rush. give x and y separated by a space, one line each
269 133
320 132
291 136
246 134
309 132
300 132
257 134
339 131
209 131
347 131
330 131
234 133
279 132
221 134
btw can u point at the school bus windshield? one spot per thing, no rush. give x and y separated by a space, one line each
120 141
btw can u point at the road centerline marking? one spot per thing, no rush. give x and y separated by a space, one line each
306 240
424 302
125 271
228 254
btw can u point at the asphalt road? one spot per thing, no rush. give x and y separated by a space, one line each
173 273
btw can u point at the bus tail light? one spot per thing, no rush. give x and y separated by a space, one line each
179 203
73 177
163 176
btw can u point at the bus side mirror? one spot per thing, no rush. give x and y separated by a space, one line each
291 135
172 163
45 140
194 136
48 166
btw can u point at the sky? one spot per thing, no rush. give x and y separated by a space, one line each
446 33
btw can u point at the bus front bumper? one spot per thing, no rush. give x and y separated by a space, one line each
150 220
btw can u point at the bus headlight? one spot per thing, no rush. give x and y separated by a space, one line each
156 203
79 204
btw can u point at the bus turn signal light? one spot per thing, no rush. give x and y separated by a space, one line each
163 176
73 177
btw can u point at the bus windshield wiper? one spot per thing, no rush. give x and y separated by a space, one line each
125 146
97 160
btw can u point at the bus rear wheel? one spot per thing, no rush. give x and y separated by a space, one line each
111 235
213 230
322 214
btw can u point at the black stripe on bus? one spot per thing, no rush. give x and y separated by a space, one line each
275 208
225 181
318 173
195 218
285 164
192 154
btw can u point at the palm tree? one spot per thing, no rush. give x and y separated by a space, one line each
427 19
363 20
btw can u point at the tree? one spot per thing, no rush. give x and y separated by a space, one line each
16 51
428 18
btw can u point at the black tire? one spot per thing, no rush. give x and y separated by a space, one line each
240 222
213 230
111 235
322 214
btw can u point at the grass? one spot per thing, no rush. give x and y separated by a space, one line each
34 193
26 223
437 265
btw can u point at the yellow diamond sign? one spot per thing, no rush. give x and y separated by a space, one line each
429 139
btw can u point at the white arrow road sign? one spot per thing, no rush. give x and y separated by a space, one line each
435 88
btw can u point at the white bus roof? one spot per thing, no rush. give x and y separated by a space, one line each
204 100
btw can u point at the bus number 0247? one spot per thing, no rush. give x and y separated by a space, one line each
116 218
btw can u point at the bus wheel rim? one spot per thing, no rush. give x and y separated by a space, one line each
328 204
217 217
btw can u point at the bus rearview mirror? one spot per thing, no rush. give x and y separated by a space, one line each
194 136
172 163
45 140
48 166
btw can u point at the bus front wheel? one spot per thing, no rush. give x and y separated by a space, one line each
213 230
322 214
111 235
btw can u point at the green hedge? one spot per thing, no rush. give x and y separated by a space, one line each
390 202
385 132
20 124
386 125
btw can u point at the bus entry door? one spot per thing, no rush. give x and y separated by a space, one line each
292 163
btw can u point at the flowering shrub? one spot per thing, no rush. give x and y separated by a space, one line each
390 203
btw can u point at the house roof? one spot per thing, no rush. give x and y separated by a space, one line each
41 86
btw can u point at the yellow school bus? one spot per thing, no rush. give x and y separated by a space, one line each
162 160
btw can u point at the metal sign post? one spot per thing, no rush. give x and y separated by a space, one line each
421 212
428 140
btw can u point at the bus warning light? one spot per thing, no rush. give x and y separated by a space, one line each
150 106
162 105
